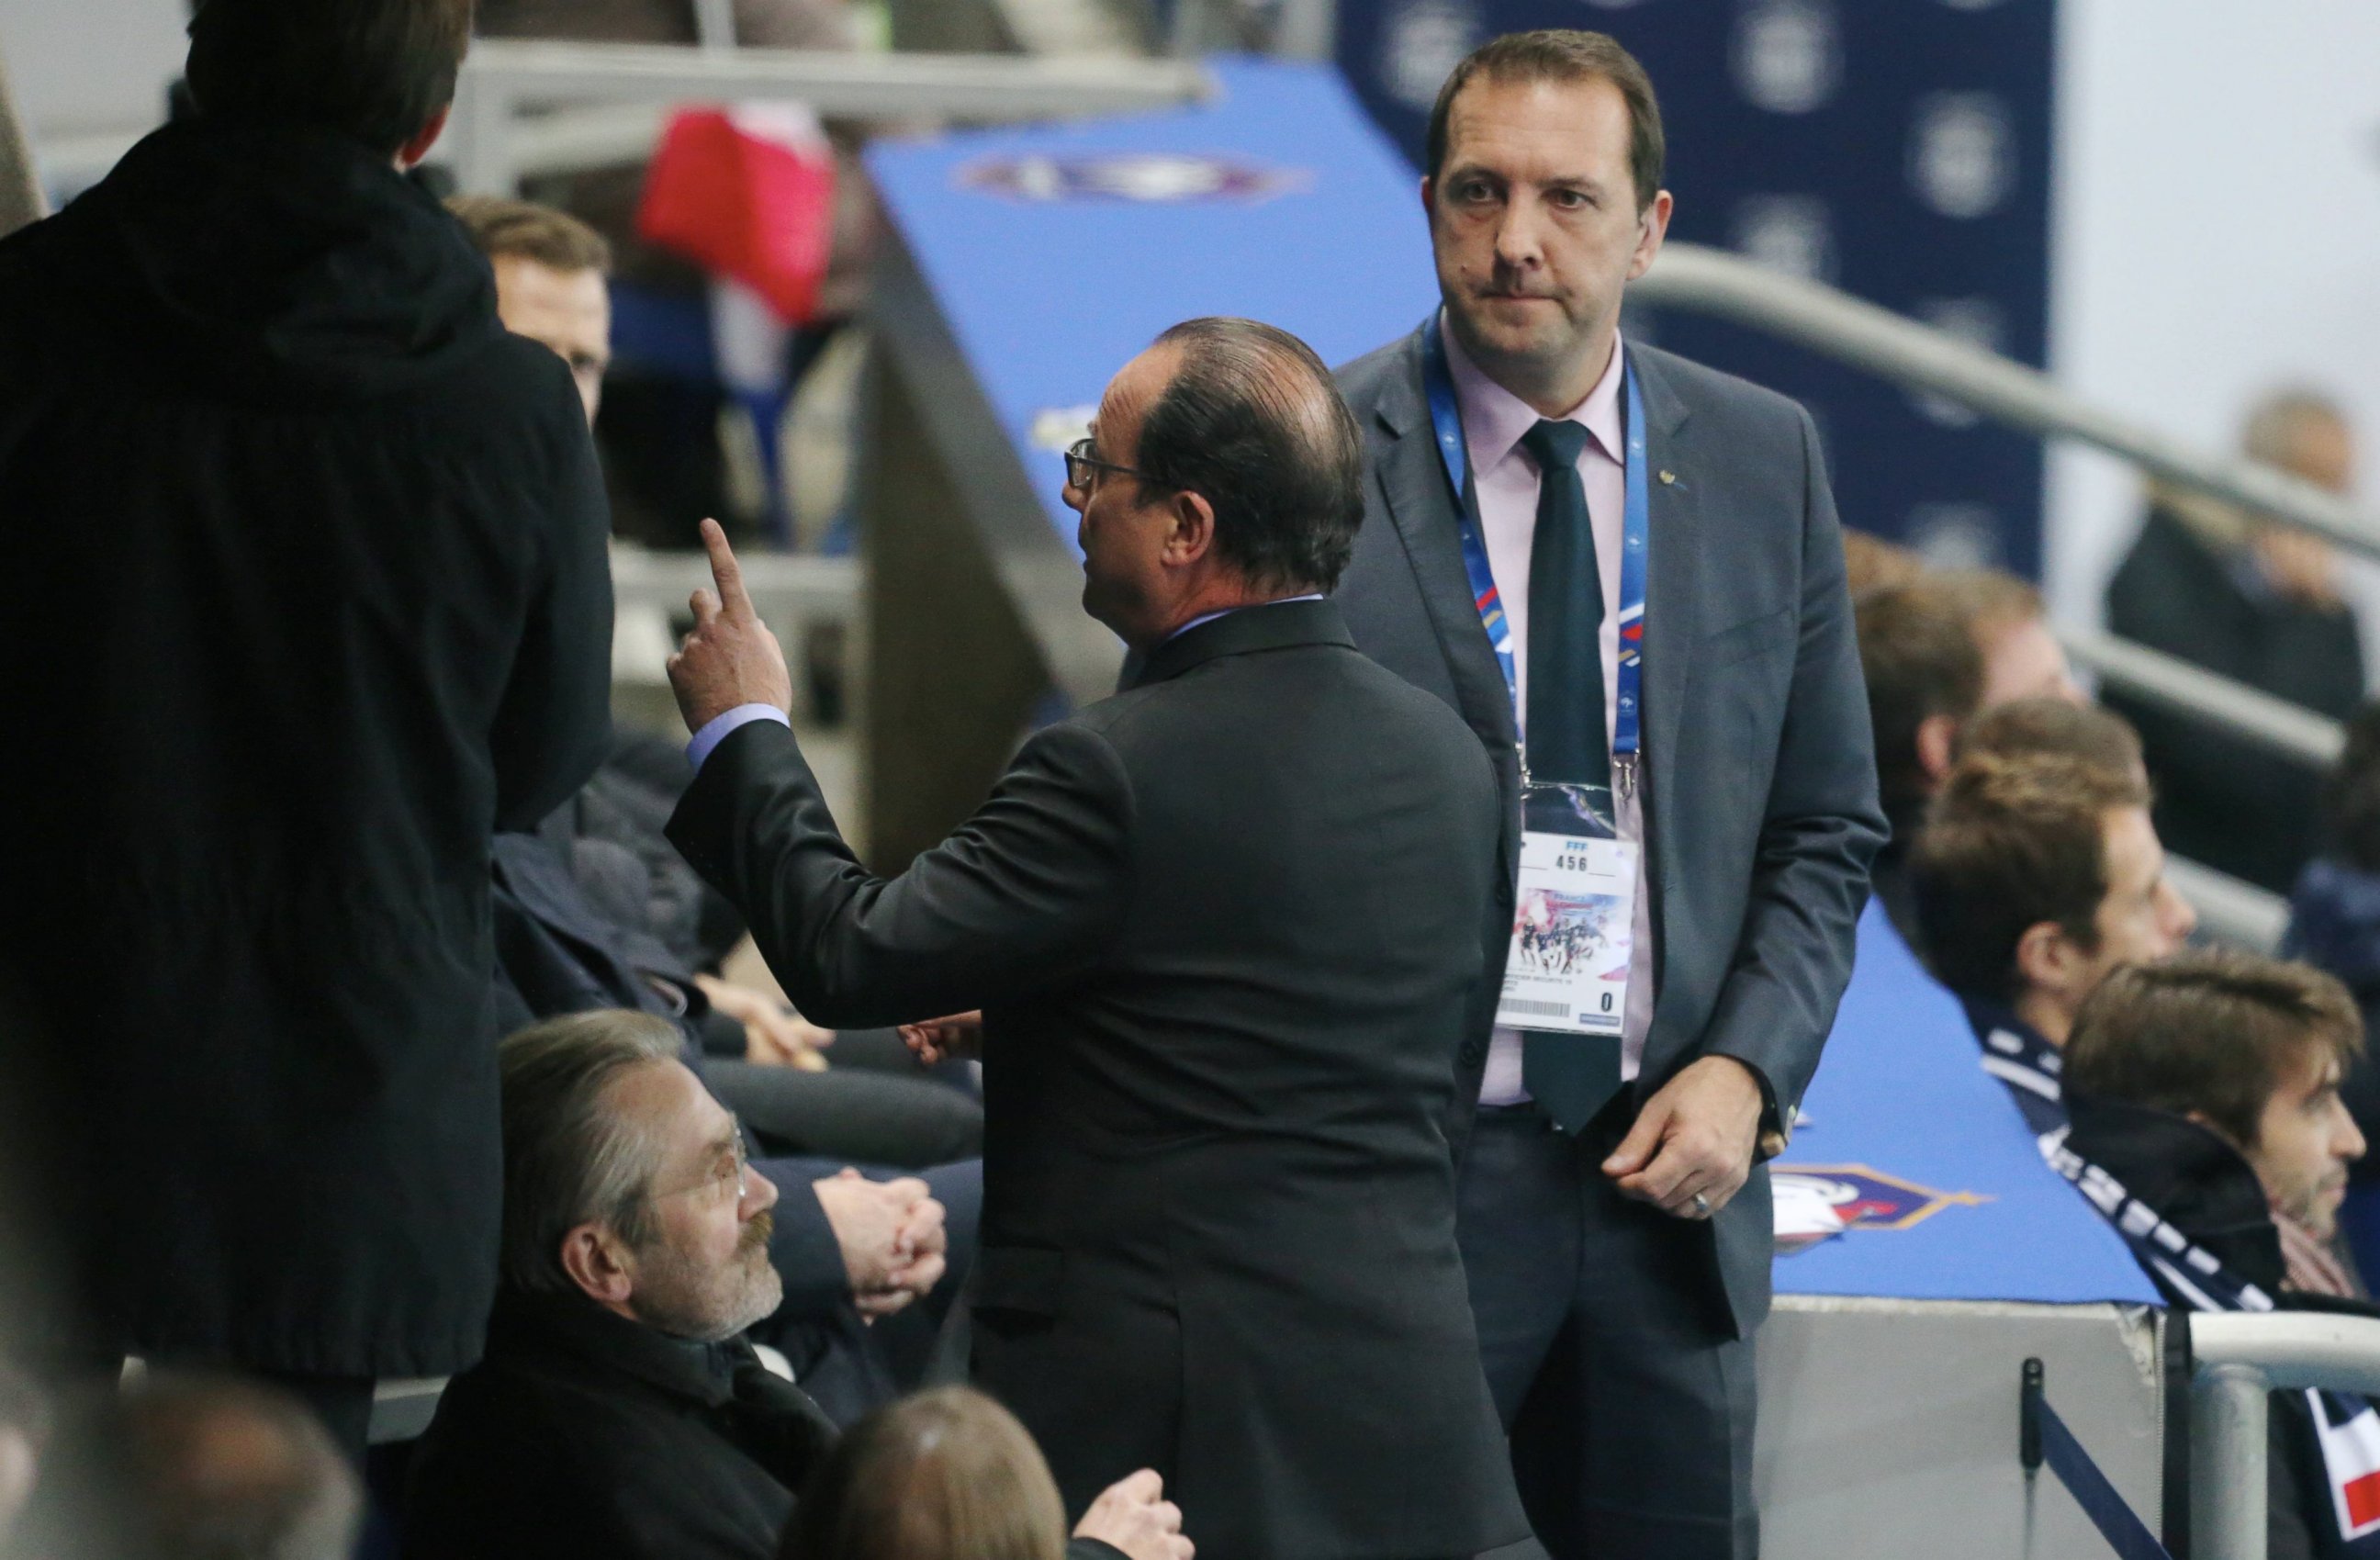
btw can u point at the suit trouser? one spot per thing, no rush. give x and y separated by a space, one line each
873 1105
1607 1347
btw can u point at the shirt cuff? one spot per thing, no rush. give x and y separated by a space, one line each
714 731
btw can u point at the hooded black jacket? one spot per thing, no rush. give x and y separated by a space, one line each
2202 1186
302 594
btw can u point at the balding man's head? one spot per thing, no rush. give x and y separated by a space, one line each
2304 433
1251 420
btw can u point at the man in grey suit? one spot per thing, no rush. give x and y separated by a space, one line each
1543 503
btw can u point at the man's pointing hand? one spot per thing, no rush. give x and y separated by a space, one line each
731 658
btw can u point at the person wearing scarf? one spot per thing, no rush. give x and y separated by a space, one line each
2206 1124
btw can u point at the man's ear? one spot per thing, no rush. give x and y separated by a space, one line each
416 148
592 1257
1428 196
1654 222
2046 957
1192 535
1936 735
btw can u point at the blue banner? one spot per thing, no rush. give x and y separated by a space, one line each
1899 152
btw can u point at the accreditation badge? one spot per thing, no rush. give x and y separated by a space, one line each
1574 922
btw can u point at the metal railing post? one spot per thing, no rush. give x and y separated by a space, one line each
2228 1427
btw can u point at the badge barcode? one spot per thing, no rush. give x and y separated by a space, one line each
1537 1010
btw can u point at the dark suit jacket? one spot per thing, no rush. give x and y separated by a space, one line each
1222 927
2228 803
1760 806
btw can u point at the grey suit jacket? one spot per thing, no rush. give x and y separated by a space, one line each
1760 808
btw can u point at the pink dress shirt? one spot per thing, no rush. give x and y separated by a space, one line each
1505 478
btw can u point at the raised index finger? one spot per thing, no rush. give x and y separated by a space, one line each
726 571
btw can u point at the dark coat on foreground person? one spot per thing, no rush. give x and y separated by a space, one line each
1223 928
2200 1184
306 595
2221 801
586 1435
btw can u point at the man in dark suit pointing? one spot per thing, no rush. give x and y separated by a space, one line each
1626 568
1222 929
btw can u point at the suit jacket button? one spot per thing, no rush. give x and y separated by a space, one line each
1473 1053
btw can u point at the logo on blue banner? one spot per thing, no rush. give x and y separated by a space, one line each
1153 178
1818 1203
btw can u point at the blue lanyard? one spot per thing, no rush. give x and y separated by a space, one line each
1446 419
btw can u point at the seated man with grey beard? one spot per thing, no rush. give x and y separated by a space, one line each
619 1414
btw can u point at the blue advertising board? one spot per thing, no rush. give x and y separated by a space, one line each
1921 1160
1900 151
1057 252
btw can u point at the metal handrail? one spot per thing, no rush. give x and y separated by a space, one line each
2238 1358
1918 356
503 76
836 84
2231 911
2170 682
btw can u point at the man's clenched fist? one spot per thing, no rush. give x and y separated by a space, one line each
1133 1515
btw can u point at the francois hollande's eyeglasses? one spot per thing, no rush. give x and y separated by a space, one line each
1081 463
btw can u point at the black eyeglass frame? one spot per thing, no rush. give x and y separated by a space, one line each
1079 458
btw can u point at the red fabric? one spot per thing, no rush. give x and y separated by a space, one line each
2363 1499
744 206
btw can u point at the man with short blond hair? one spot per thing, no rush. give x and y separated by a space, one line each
550 270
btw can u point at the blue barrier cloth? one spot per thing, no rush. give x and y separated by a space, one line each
2117 1522
1058 252
1902 1094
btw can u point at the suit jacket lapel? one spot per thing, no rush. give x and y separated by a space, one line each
1422 505
1675 544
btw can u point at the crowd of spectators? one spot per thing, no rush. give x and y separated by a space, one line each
2215 1104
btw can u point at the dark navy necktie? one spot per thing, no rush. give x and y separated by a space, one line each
1564 730
1570 1076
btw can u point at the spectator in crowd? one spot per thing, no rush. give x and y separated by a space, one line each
2257 601
550 271
1925 682
307 596
662 449
2334 925
2021 655
951 1475
577 922
2206 1089
194 1465
1871 563
2036 875
620 1410
2056 725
